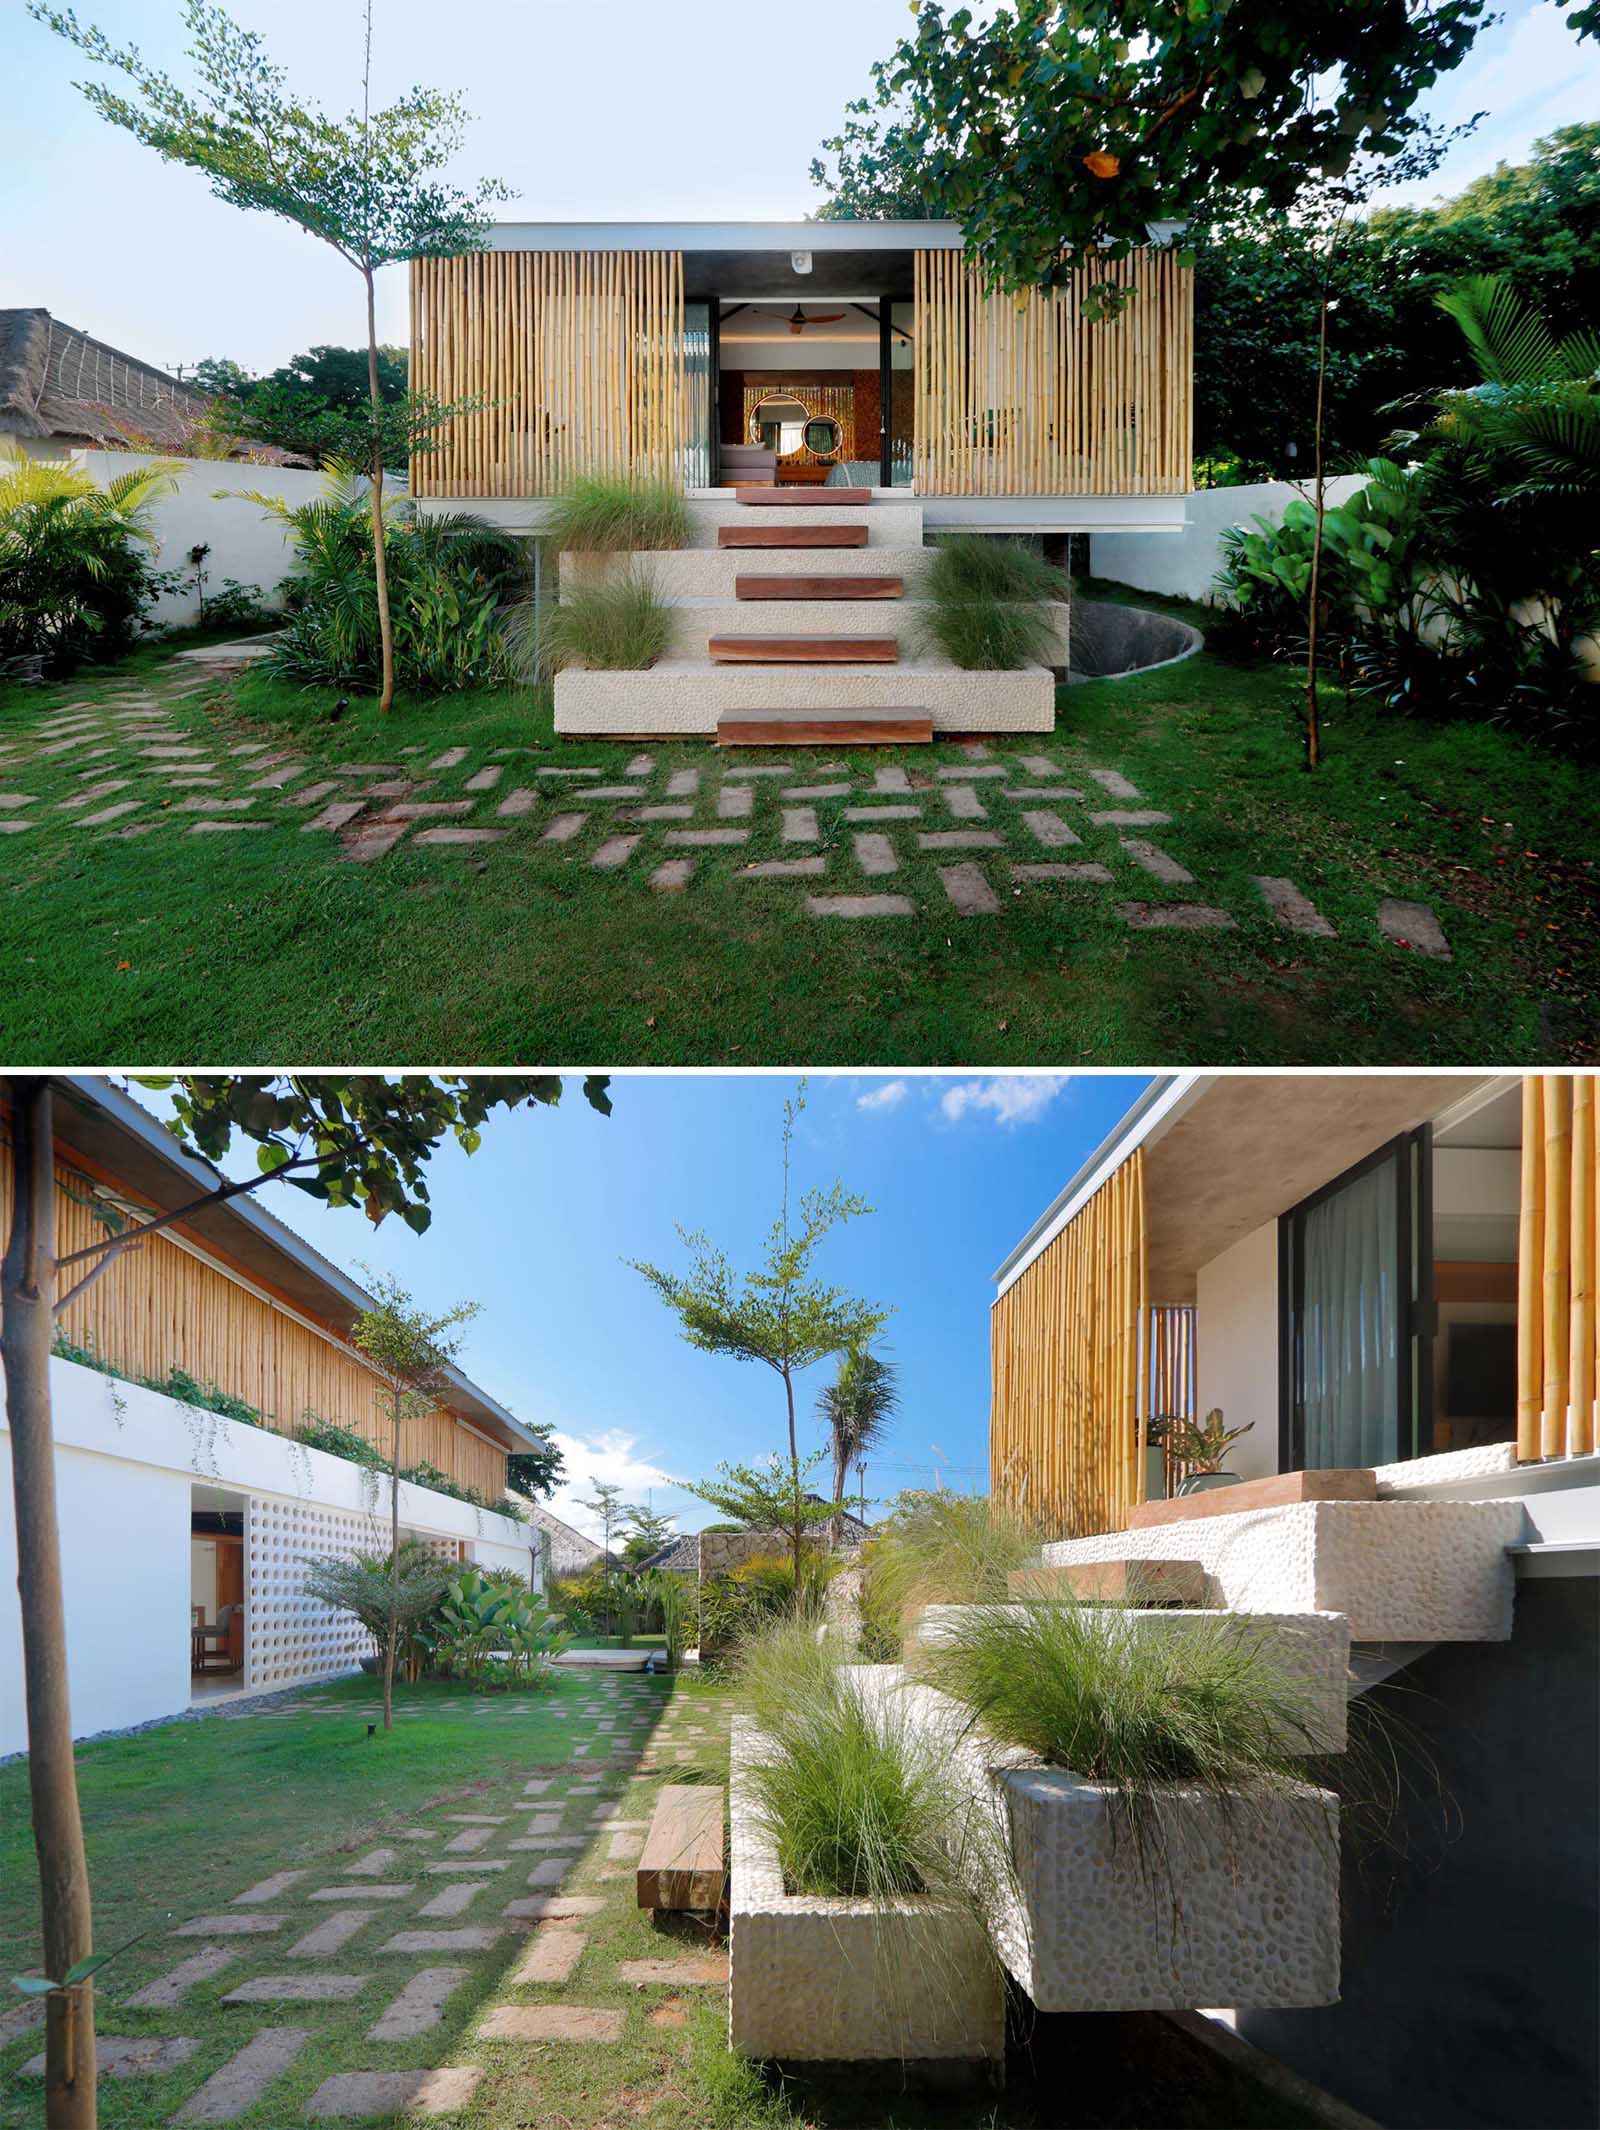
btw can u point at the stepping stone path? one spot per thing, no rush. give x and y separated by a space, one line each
135 763
243 2079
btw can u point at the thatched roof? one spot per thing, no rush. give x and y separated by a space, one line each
57 381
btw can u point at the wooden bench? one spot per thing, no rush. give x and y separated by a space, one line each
682 1863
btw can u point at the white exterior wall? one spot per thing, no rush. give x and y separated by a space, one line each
126 1461
1236 1329
1184 566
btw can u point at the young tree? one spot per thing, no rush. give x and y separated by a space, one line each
1055 135
346 1140
856 1408
410 1352
647 1532
607 1505
780 1315
384 1591
367 185
773 1496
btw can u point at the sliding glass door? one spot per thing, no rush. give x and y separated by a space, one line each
1356 1304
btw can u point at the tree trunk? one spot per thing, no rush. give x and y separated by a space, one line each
27 1280
393 1637
1313 722
380 559
794 1481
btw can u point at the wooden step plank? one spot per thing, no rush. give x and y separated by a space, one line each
1130 1582
811 498
804 650
902 729
681 1865
1282 1490
791 535
818 587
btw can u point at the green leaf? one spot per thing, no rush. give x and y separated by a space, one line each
33 1985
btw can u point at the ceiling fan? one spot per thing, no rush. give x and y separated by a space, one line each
798 321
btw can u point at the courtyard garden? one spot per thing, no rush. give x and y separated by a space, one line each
192 855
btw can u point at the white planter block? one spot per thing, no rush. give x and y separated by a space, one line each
1400 1571
680 694
1239 1907
1311 1649
814 1980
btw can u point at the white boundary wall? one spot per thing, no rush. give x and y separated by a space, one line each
1183 567
126 1461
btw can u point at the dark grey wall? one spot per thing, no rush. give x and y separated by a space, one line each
1472 1966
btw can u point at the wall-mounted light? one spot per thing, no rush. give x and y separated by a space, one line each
800 261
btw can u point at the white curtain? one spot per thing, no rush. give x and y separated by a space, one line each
1350 1327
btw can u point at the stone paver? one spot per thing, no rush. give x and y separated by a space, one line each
800 824
170 1989
860 906
965 775
267 1889
332 1932
371 1891
969 890
959 839
705 838
551 1872
615 851
468 1839
1131 817
683 783
244 2078
1048 828
373 1865
131 2055
891 779
517 803
1061 872
420 2005
450 759
297 1989
659 813
1156 862
784 869
483 780
229 1926
554 1908
388 2092
1116 784
1174 917
551 1956
334 816
875 854
817 791
1293 910
454 1900
109 813
883 813
563 828
460 835
1412 924
735 802
476 1938
478 1863
699 1970
964 803
552 2022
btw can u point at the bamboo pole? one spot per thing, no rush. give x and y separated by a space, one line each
1557 1257
1581 1347
1530 1271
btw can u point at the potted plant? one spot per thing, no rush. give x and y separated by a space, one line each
1202 1445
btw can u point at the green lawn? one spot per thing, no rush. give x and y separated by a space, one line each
183 1819
270 944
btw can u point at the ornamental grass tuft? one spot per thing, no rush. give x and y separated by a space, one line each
611 624
601 514
989 604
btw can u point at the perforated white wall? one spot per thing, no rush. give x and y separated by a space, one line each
288 1635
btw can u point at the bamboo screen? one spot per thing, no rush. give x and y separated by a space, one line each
1066 1422
158 1307
1029 398
1557 1356
1170 1368
578 358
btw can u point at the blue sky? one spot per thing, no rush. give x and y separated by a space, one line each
536 1226
697 109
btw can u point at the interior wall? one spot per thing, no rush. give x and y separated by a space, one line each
203 1575
1236 1333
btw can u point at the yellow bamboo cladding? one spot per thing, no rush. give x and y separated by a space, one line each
1069 1359
1024 396
1558 1357
160 1307
575 362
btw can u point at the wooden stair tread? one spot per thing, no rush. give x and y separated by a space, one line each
681 1865
815 498
804 650
791 536
818 587
1281 1490
905 728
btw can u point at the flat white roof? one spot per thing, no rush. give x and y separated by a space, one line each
725 236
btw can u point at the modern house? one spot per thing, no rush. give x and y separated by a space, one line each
1390 1280
565 1551
823 393
184 1527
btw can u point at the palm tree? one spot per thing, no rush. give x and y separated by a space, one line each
74 579
856 1408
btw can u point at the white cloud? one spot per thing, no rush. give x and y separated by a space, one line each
611 1457
886 1094
1010 1098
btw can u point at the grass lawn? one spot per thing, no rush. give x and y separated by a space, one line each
134 939
183 1819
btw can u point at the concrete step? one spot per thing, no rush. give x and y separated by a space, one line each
698 622
1309 1650
682 693
891 519
801 495
1400 1571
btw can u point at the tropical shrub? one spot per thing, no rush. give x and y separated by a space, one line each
673 1599
937 1549
492 1629
759 1592
365 1586
75 559
988 604
614 624
451 577
605 514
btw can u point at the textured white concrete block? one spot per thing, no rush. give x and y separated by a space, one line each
1416 1474
1400 1571
711 572
689 695
846 1981
1311 1651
